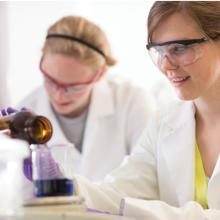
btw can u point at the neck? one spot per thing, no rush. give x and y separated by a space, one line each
208 108
77 112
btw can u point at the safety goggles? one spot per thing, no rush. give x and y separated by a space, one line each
67 89
178 52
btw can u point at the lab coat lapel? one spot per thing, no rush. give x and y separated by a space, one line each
177 147
213 187
101 106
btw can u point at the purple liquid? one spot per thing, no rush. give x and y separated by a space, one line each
53 187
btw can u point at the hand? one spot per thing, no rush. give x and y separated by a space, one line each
10 110
7 111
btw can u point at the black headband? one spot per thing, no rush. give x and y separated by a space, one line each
76 39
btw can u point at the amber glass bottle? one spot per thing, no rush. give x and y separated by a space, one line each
35 129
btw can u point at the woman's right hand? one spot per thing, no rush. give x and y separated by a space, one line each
7 111
10 110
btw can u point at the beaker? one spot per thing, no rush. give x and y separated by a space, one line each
53 169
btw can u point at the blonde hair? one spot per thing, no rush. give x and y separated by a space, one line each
205 13
84 30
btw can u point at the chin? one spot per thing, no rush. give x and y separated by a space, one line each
186 96
64 110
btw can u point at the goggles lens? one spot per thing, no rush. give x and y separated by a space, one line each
71 89
68 90
182 52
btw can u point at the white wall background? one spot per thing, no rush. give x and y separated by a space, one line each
3 55
124 22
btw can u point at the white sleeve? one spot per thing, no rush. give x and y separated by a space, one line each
106 198
137 178
159 210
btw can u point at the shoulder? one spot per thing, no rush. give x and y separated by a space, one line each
121 83
123 88
171 115
174 110
124 94
167 117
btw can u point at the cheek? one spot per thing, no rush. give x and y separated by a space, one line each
209 65
208 71
49 90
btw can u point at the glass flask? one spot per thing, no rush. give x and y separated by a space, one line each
53 169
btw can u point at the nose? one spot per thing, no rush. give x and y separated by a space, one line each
167 64
59 94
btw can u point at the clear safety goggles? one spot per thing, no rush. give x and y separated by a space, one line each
179 52
67 89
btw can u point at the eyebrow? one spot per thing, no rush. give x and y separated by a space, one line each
184 42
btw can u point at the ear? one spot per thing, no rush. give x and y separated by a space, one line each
101 72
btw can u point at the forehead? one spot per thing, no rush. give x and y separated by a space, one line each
54 60
58 64
178 26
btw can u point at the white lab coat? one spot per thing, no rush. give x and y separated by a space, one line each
160 168
117 115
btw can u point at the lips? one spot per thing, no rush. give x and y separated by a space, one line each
179 81
63 103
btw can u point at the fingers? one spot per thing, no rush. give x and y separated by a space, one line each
7 111
10 110
24 109
3 112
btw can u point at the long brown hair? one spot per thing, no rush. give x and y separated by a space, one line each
205 13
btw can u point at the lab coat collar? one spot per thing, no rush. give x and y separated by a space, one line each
177 147
176 117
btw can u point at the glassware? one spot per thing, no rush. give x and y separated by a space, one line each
53 170
35 129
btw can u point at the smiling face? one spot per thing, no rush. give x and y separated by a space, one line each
198 78
61 75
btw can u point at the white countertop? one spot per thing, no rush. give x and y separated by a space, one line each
61 212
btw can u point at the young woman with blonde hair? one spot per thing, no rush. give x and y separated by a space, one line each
102 116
